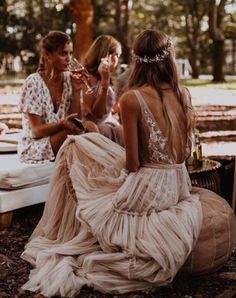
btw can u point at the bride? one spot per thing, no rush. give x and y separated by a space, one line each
122 220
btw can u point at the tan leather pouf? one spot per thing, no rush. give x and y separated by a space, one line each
217 237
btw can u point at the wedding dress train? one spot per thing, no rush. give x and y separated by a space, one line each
110 230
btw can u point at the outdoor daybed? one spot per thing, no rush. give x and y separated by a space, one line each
21 184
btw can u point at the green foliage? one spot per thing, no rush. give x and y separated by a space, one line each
25 22
143 15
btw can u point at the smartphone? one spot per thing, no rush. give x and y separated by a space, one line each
78 123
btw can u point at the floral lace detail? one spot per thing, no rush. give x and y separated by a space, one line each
157 143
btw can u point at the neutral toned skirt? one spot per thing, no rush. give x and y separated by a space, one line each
109 230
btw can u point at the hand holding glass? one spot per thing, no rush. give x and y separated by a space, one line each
77 68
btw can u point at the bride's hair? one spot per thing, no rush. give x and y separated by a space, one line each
154 63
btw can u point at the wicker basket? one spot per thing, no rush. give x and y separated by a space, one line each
207 176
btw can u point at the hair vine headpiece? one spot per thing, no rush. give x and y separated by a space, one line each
158 57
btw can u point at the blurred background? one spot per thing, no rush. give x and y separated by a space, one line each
203 31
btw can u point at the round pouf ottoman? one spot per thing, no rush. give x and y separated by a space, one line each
217 237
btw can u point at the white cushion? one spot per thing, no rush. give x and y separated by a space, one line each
8 142
11 137
21 184
14 199
16 175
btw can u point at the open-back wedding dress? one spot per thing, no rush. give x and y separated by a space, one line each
110 230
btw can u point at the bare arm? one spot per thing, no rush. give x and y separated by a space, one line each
40 129
77 86
96 104
130 111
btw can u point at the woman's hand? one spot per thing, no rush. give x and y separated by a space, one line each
68 124
77 80
104 69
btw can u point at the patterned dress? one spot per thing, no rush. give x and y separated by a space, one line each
120 232
36 99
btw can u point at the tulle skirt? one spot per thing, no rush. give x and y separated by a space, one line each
110 230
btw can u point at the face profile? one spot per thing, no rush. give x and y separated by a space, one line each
104 46
60 58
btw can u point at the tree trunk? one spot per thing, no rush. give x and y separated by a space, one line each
218 61
194 62
217 33
194 12
122 27
233 56
82 11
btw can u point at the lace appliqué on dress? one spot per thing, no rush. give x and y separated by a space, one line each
157 143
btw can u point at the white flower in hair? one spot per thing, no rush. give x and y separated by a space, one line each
158 57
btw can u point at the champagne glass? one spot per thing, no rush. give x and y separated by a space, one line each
77 68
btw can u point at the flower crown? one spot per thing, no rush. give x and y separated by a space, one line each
158 57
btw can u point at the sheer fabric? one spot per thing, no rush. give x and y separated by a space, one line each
104 228
110 230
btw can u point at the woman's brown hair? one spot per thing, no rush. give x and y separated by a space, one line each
154 63
51 42
101 47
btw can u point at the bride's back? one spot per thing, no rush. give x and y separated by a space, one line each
166 120
171 132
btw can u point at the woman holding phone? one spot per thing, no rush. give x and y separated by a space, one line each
49 101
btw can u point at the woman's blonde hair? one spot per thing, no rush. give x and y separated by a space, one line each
101 47
154 63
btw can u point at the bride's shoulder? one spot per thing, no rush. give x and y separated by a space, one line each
186 95
129 100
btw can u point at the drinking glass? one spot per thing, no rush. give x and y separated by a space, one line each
76 67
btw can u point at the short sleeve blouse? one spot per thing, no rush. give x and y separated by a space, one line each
36 99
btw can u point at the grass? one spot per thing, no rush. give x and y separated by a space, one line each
11 81
16 80
230 84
